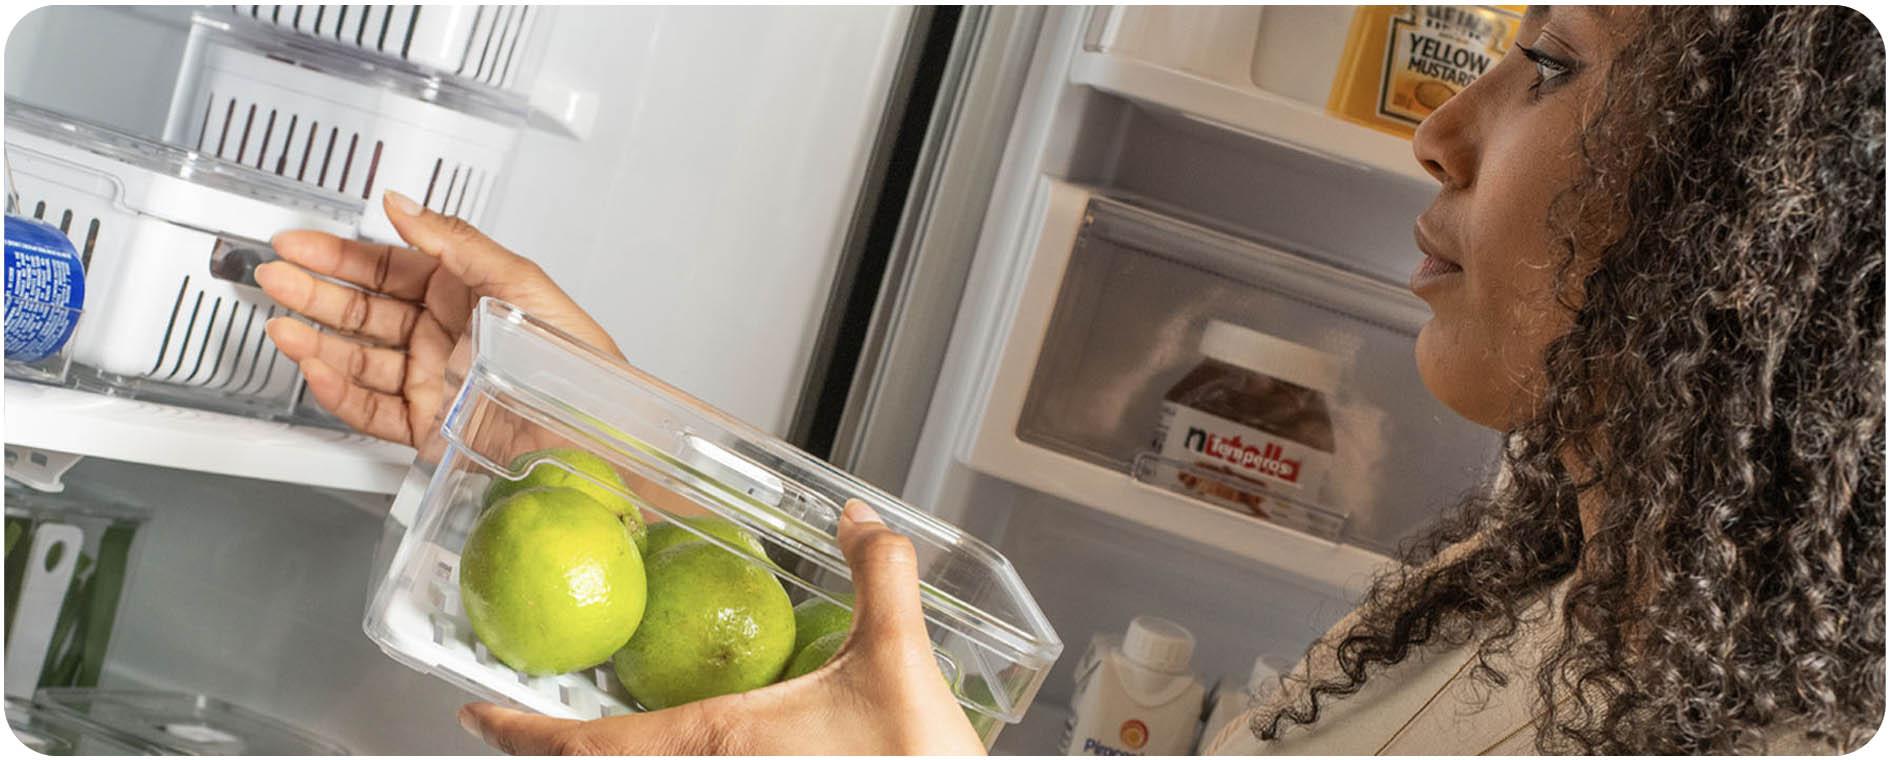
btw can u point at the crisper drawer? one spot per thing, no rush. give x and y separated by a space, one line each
168 240
488 44
298 108
1110 317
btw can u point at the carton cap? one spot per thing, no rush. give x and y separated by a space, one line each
1158 644
1274 357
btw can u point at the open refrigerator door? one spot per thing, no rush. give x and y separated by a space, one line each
1171 173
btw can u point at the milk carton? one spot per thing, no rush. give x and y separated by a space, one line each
1136 697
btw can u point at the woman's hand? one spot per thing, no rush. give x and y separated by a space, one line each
384 373
881 694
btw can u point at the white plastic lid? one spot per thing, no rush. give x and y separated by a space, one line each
1158 644
1274 357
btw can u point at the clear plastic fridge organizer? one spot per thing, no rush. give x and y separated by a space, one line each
529 386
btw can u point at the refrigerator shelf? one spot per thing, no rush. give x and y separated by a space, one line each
112 427
1262 72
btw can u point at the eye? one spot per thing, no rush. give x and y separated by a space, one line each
1548 70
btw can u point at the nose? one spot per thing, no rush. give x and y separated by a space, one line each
1445 143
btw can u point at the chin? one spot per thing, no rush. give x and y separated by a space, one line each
1452 381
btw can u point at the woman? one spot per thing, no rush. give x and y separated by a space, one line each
1655 263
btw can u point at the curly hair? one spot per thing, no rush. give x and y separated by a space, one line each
1719 395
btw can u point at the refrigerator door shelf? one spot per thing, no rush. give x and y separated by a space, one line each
115 427
183 724
492 45
52 733
165 315
288 106
1262 72
1107 314
531 387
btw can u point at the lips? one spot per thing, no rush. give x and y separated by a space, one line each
1435 269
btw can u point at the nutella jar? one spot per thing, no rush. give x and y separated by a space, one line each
1255 411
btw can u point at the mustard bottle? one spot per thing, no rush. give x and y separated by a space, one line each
1403 61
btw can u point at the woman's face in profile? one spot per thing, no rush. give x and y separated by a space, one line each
1503 148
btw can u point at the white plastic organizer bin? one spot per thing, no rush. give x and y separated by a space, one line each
169 239
489 44
529 386
297 107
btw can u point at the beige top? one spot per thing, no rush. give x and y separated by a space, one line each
1427 705
1430 704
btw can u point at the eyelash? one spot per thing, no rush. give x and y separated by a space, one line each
1548 70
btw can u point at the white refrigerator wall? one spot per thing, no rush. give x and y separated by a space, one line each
703 219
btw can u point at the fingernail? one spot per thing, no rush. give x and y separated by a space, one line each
403 204
269 273
277 278
858 512
466 720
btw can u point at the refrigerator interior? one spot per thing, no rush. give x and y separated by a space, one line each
644 186
689 175
1201 132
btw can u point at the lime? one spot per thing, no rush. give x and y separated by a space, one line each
664 535
716 624
541 469
814 655
551 581
978 691
818 617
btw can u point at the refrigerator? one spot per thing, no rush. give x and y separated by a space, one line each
964 254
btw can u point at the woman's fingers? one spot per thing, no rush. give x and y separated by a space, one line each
465 251
693 729
378 414
885 571
380 369
398 272
518 733
350 310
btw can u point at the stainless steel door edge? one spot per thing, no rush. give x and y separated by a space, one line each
931 256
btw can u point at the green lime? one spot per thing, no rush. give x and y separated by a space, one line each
814 655
664 535
541 471
818 617
716 624
978 691
551 581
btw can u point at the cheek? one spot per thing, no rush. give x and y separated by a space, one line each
1481 354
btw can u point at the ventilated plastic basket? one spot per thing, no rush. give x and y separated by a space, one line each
170 239
529 386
